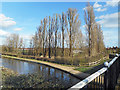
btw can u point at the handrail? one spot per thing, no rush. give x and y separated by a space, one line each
111 62
90 78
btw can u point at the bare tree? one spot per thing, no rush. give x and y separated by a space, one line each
94 40
56 29
47 44
35 44
52 36
40 31
64 22
9 44
24 45
79 40
90 21
20 44
43 35
49 36
101 46
67 40
59 39
13 42
31 47
73 20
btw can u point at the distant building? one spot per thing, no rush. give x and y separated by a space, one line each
77 51
111 48
24 49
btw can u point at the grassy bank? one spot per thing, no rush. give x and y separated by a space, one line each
75 60
64 68
12 80
91 69
85 69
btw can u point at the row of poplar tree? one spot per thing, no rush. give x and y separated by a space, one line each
62 32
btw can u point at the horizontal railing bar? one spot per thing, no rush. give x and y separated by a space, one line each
93 76
88 79
111 62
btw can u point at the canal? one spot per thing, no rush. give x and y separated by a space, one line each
22 67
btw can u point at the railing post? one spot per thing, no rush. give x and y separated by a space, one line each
117 67
112 74
106 77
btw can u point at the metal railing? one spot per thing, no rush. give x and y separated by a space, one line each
103 79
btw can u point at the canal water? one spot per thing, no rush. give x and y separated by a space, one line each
23 67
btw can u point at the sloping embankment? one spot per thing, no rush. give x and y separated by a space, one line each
67 69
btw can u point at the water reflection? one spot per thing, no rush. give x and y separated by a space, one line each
27 67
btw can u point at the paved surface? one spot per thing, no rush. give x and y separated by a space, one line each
67 69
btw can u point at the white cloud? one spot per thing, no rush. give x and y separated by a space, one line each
17 29
4 33
112 3
100 10
99 7
110 37
3 17
109 20
28 37
110 24
85 8
96 5
6 22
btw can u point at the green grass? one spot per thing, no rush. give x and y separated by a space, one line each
83 69
90 69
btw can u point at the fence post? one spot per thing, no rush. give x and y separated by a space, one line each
106 77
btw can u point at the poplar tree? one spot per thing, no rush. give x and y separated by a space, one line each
43 35
40 31
49 35
90 21
63 25
56 29
73 19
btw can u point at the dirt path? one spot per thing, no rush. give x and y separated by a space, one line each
67 69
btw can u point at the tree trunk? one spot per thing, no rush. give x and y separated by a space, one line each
70 40
62 41
49 38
